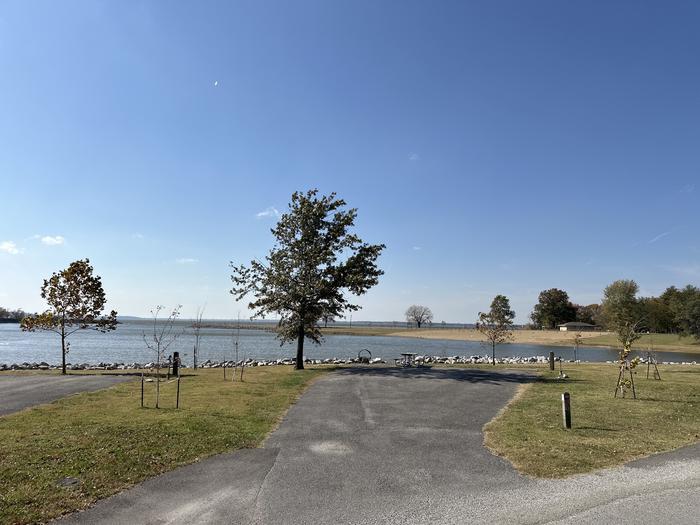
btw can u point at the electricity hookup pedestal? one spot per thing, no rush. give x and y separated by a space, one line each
566 409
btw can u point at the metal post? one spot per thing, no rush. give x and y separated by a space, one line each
177 396
619 378
634 391
648 363
566 409
224 370
551 360
141 389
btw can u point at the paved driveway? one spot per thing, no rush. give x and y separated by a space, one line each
21 391
397 446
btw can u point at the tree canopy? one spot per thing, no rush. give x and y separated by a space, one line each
315 264
673 311
419 315
620 306
553 308
622 313
588 313
684 306
76 299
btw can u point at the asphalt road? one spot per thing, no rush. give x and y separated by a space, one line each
23 391
400 446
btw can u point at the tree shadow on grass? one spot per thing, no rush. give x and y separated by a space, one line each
663 400
557 381
470 375
101 373
599 428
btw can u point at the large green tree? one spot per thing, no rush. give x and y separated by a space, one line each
553 308
588 313
76 300
658 315
496 325
315 264
622 312
686 311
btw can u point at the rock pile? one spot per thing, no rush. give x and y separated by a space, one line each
440 360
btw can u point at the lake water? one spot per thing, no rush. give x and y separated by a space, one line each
126 345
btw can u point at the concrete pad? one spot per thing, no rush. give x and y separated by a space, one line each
398 446
18 392
222 489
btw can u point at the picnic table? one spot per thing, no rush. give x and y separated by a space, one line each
407 359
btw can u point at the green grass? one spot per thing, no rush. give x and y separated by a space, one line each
105 440
606 431
660 342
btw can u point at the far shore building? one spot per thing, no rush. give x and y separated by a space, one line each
575 326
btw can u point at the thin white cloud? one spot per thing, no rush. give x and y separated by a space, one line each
417 248
186 260
216 83
659 236
688 188
137 235
10 247
270 211
413 157
689 270
55 240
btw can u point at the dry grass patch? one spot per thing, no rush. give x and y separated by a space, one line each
661 342
533 337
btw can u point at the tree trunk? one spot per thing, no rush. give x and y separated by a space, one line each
300 349
493 353
63 352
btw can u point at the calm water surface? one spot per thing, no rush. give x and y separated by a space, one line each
126 345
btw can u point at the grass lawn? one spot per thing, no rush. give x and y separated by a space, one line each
105 440
606 431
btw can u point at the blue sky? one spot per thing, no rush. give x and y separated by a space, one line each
494 147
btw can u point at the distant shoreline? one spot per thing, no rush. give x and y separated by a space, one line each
659 342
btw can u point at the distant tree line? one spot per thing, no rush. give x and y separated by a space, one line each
554 308
12 316
675 311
